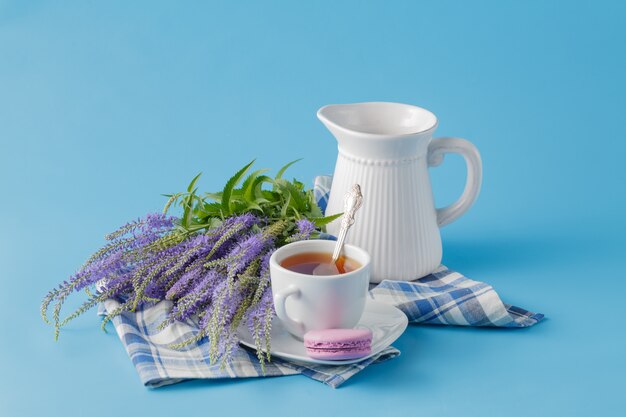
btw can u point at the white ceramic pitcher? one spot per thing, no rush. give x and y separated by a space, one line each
387 148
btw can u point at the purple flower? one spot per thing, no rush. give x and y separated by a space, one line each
202 292
151 223
245 220
157 221
146 260
305 228
185 281
260 311
244 252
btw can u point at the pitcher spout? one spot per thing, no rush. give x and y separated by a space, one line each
379 130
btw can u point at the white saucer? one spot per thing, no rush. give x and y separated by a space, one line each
386 322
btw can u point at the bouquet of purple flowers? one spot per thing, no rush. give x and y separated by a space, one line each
212 262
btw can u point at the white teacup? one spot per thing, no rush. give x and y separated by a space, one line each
311 302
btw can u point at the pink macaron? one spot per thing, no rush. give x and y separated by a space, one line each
338 344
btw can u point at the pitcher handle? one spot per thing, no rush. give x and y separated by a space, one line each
436 152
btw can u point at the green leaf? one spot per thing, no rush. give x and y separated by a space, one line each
213 208
298 198
237 192
280 173
323 221
244 192
283 210
192 184
262 200
249 182
314 209
214 196
271 196
205 209
253 206
230 185
238 207
314 212
250 191
299 185
188 207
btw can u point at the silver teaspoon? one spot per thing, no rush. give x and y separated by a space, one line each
351 203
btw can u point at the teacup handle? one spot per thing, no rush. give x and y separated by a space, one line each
293 325
436 152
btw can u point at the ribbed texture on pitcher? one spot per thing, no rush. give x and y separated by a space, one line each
397 224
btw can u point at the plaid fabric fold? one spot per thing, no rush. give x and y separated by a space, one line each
444 297
447 297
159 365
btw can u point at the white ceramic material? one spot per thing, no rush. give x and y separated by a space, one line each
310 302
386 322
387 148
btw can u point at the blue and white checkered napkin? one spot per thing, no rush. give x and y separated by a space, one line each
159 365
443 297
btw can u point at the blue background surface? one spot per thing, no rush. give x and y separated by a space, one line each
105 105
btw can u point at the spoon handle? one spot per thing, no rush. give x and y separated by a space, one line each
352 202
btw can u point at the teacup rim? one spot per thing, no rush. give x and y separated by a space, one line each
274 263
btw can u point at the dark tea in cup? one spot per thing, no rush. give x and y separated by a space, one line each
319 263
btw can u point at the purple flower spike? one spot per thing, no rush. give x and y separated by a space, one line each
305 228
243 253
